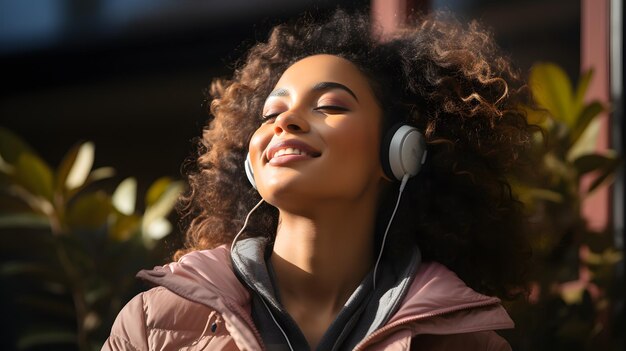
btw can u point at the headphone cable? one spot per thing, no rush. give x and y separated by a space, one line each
405 179
245 224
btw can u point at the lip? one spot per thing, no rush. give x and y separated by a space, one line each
293 143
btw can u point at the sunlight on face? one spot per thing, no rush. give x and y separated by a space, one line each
319 135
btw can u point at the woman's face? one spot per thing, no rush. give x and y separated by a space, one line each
318 137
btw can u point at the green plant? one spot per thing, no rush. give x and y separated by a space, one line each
70 250
573 275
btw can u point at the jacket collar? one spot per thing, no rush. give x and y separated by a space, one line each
366 310
435 291
437 300
199 271
206 277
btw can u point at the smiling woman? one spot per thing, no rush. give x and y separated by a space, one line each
338 129
342 250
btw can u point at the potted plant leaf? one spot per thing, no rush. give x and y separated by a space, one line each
69 248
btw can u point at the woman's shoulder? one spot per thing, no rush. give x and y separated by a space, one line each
438 290
160 308
440 312
200 276
194 300
161 317
439 302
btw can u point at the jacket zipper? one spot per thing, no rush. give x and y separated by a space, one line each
409 320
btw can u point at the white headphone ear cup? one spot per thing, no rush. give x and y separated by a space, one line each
407 151
249 171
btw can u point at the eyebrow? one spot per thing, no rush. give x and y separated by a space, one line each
317 87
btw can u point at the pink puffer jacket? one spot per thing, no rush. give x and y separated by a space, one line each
205 307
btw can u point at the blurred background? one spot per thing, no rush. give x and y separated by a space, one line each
130 77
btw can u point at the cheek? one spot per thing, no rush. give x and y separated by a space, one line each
258 143
357 142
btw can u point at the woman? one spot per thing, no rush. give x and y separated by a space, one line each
352 246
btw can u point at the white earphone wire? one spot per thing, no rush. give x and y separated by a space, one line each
245 224
405 179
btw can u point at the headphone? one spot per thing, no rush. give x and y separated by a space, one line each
403 152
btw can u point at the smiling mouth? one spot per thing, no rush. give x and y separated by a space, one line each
291 153
286 151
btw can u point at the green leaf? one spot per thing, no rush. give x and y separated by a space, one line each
34 175
12 146
124 226
588 113
156 190
161 208
125 196
557 167
572 293
552 89
586 143
101 173
64 168
546 194
81 167
605 176
94 176
23 220
609 256
75 167
89 211
593 162
158 228
164 205
528 194
5 168
535 116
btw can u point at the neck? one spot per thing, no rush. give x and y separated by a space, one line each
320 256
321 259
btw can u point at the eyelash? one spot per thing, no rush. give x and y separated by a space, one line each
331 107
266 118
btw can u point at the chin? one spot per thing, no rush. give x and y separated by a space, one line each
282 192
289 196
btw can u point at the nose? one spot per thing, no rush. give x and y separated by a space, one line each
290 122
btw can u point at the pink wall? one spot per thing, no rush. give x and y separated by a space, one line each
594 53
388 14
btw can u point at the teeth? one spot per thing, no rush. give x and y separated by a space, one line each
289 151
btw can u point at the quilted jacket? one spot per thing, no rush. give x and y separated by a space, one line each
199 304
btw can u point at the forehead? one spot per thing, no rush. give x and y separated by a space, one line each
311 70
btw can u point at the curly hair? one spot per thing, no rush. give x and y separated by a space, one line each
445 78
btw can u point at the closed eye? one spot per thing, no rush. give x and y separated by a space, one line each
331 109
269 117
